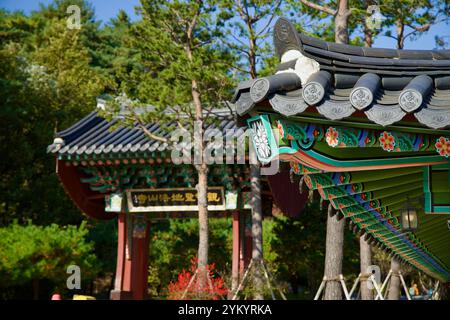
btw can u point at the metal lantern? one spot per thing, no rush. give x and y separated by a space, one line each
408 217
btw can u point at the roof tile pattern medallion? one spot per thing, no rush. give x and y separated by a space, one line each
385 84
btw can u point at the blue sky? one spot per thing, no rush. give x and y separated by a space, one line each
106 9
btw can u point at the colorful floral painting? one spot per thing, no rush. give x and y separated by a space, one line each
332 137
443 146
387 141
260 140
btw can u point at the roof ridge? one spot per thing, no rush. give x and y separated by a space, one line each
286 37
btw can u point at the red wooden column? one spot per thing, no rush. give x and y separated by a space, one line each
122 283
132 260
139 268
235 270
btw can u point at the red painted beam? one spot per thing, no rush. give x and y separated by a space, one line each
83 197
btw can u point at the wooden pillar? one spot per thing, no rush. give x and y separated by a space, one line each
139 268
132 260
235 263
122 283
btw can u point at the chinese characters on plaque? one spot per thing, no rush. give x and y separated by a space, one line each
175 199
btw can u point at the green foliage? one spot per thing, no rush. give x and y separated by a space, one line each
319 24
246 30
47 82
169 56
412 18
32 252
104 235
297 249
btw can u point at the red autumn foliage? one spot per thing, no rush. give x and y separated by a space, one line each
211 291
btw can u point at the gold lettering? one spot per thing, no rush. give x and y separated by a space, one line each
152 197
213 197
190 197
164 197
141 198
177 197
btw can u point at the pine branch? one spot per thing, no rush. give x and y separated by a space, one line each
274 9
141 125
316 6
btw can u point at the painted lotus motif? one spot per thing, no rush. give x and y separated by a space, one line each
387 141
332 137
443 146
261 140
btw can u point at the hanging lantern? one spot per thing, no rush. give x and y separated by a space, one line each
408 217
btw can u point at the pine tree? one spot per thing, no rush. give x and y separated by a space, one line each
182 68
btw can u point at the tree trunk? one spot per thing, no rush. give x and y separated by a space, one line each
257 217
255 184
35 289
341 22
365 257
365 252
394 287
203 244
368 40
400 34
334 256
202 189
202 186
368 34
335 228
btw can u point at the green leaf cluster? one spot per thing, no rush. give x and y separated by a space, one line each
32 252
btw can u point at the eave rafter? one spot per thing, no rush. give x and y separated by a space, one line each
357 182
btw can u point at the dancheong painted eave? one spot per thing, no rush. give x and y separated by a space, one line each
367 128
338 81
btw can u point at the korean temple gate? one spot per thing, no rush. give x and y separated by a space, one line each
367 128
124 175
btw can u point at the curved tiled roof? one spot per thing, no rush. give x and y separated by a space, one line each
384 85
93 137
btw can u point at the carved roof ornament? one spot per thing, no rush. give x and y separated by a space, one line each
411 97
287 105
259 89
364 90
385 115
316 86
